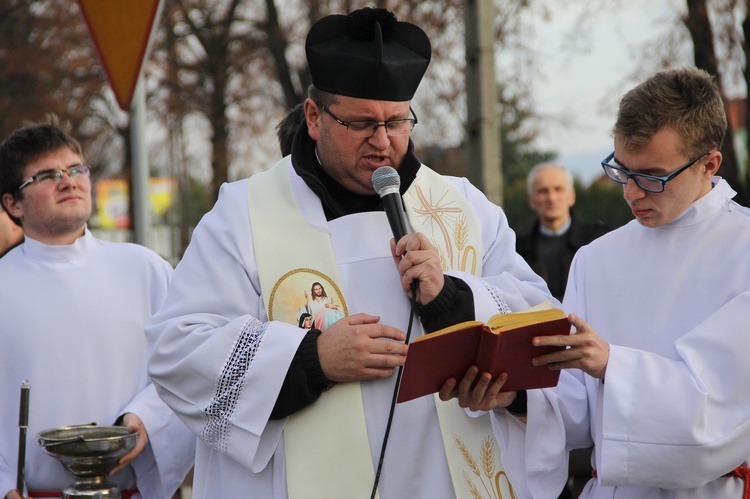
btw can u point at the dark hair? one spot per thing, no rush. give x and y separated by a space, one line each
312 289
685 99
25 145
287 128
321 96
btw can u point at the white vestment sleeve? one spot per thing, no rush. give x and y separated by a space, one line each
535 454
161 468
7 477
212 325
696 432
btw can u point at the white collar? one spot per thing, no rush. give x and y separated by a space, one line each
559 232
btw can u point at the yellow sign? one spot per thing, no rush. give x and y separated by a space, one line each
113 201
121 30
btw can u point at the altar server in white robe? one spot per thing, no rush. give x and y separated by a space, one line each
272 402
656 377
73 312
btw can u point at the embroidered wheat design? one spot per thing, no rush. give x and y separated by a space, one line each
473 490
461 232
510 485
488 457
488 460
467 456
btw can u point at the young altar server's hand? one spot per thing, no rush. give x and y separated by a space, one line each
134 425
417 259
357 348
586 350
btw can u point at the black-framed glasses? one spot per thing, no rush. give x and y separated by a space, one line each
56 175
367 128
650 183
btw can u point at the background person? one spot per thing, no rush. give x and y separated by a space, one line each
285 412
73 311
287 128
557 233
655 375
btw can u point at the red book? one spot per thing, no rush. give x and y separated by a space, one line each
501 345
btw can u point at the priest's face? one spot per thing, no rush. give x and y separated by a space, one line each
346 156
660 156
53 211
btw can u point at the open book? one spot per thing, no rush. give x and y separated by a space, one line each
501 345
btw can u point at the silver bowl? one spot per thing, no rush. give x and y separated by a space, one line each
89 452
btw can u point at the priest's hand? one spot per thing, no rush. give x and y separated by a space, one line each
134 425
485 394
586 350
418 260
13 494
357 348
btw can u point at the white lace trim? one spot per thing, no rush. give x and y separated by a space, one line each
229 385
496 294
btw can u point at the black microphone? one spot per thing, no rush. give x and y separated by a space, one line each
386 182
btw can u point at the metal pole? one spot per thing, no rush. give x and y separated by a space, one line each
482 126
141 208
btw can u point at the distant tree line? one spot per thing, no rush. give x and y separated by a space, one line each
222 73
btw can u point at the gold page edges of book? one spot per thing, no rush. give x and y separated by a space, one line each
500 323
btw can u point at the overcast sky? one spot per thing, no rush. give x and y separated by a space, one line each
586 69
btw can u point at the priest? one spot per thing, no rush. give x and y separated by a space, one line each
283 411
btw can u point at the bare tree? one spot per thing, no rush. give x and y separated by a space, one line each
48 64
241 62
699 26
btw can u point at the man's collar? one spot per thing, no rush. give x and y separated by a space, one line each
559 232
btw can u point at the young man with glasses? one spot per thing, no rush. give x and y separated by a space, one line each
656 375
284 411
73 310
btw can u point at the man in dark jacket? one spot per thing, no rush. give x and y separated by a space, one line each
556 234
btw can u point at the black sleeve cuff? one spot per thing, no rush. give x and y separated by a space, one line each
304 381
454 304
518 406
308 352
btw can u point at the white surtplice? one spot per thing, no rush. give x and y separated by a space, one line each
672 416
72 324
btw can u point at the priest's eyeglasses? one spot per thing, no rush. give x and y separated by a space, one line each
56 176
650 183
365 129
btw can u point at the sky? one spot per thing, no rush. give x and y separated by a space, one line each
586 69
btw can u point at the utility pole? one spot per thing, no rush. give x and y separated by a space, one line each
141 222
482 126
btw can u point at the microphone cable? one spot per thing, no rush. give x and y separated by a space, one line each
414 287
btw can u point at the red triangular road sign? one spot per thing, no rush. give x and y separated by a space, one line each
121 30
